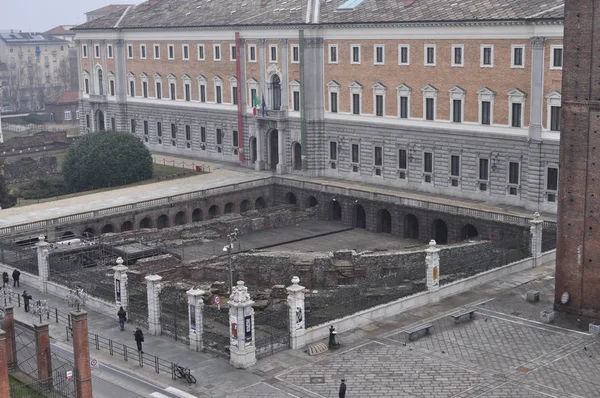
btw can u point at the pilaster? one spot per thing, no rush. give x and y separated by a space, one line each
537 87
432 261
92 71
121 282
241 326
281 147
262 64
285 84
196 320
297 324
43 355
259 165
153 290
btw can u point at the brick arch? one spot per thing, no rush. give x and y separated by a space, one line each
197 214
180 218
259 203
127 226
229 208
245 206
213 212
89 232
146 222
162 221
108 228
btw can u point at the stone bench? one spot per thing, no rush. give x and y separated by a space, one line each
460 315
419 331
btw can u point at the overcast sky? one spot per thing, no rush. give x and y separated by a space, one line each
43 15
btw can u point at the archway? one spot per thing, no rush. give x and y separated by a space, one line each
162 222
252 150
384 221
108 228
276 92
411 227
67 235
180 218
273 149
244 206
127 226
297 156
439 231
469 231
100 120
213 212
89 232
259 203
335 211
197 215
290 198
359 217
311 201
229 208
146 223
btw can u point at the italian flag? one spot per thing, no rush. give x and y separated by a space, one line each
255 103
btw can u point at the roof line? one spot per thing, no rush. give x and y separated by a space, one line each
122 16
543 12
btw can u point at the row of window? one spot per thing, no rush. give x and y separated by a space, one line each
405 157
457 55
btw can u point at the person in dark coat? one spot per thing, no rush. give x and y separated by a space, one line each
5 281
16 275
122 317
139 339
26 298
343 389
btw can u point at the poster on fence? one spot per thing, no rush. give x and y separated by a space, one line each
299 315
234 333
118 290
193 317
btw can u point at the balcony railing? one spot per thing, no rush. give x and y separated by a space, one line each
272 114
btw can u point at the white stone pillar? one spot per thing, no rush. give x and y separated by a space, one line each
242 347
536 237
260 150
281 169
432 259
120 277
42 259
297 323
537 87
196 320
154 288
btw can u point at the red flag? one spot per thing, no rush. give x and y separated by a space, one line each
254 111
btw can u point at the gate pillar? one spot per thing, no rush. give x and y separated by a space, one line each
81 354
432 260
295 301
8 325
4 386
196 320
43 355
536 231
42 260
154 288
121 295
241 328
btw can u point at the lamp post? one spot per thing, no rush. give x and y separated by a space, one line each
232 237
77 298
40 309
6 294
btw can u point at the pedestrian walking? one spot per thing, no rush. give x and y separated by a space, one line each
139 339
122 318
16 275
343 389
26 298
5 281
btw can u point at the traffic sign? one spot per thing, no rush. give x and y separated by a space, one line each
94 363
217 300
69 375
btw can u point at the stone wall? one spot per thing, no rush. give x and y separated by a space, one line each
29 169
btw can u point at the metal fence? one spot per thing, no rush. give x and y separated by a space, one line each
271 330
216 330
21 257
174 319
549 236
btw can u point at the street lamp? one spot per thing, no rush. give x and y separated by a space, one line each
40 309
77 298
233 237
6 294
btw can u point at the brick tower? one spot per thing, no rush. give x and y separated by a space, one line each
578 244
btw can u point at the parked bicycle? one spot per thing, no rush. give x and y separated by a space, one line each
184 373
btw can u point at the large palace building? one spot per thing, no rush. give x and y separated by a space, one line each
453 97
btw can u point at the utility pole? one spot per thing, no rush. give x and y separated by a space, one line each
232 237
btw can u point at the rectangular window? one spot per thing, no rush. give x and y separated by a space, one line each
484 170
130 51
486 112
171 51
111 87
201 52
235 139
517 57
295 54
252 53
272 53
379 55
555 118
552 180
185 50
333 102
355 154
202 93
232 52
355 51
379 105
253 96
404 107
173 93
188 132
188 91
332 150
333 54
429 109
234 95
133 125
516 115
378 156
217 52
158 90
296 100
513 173
145 89
84 51
158 129
145 127
87 121
97 51
457 111
402 159
428 162
457 55
142 51
356 104
203 134
113 124
403 54
109 49
455 166
157 51
219 99
132 88
219 137
173 130
430 55
557 57
67 115
487 55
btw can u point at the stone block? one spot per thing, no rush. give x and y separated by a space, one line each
594 329
547 316
533 296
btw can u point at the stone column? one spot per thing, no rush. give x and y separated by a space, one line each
154 288
196 320
92 71
43 357
81 353
536 237
42 258
260 150
432 260
8 325
537 87
262 65
241 328
281 169
297 324
4 386
121 295
285 86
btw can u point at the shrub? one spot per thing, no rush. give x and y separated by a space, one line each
43 188
108 159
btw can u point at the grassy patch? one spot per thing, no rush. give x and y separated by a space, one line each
22 389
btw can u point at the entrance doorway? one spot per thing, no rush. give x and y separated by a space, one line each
297 158
273 149
359 218
384 221
440 232
335 211
411 227
252 150
100 121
